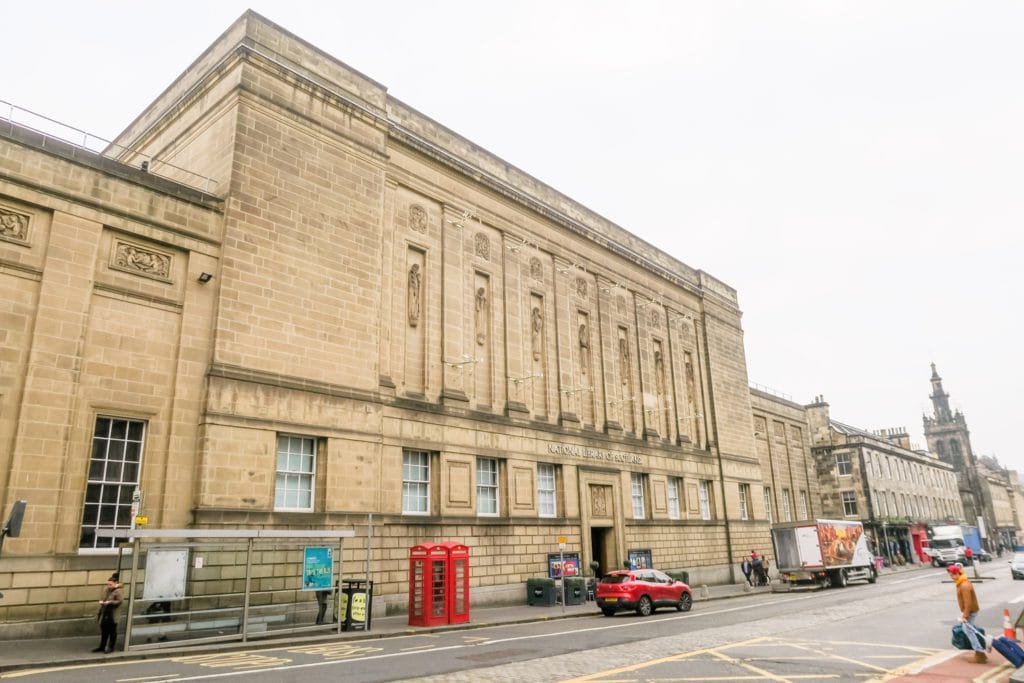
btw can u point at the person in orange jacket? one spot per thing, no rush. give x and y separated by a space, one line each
967 599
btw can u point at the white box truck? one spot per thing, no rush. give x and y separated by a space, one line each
824 552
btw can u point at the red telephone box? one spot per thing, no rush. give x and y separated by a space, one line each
438 584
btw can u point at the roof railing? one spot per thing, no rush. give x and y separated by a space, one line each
94 145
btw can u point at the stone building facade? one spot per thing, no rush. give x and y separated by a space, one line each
789 485
369 316
876 478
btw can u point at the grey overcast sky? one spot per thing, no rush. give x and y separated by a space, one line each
853 169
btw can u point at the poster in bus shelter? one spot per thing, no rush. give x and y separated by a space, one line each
317 569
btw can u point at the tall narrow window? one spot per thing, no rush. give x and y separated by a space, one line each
849 503
114 469
787 511
637 488
415 482
768 504
744 501
704 496
486 486
843 464
674 486
803 505
546 491
296 464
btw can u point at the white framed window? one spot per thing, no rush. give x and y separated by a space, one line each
768 504
704 498
415 482
849 503
744 501
674 486
114 469
787 510
843 464
546 482
636 481
803 505
296 466
486 486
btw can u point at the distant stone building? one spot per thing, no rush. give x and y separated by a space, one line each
876 478
789 483
342 308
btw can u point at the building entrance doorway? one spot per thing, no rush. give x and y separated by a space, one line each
602 549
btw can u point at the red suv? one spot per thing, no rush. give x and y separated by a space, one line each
643 590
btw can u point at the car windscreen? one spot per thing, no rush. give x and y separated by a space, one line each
946 543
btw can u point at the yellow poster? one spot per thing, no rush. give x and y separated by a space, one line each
359 607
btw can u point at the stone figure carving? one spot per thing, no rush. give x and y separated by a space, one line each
624 360
142 260
418 218
13 225
480 318
581 288
659 373
483 246
620 302
599 501
584 336
414 295
537 324
655 318
536 269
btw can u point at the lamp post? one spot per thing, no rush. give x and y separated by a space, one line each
885 539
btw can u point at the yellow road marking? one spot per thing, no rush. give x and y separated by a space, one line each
334 650
232 660
148 678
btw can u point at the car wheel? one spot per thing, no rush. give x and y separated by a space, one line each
873 577
608 611
645 607
840 581
935 563
685 602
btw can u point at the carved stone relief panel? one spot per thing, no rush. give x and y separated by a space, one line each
418 218
600 501
14 225
482 246
581 288
139 260
536 269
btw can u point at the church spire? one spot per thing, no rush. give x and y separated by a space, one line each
940 399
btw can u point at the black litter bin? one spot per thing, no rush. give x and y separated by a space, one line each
575 591
355 604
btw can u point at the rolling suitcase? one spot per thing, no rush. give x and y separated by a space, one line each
1010 649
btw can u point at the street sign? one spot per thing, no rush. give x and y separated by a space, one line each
561 542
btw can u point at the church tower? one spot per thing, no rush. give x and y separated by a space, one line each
946 432
948 437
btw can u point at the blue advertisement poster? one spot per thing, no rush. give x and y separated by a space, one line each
317 569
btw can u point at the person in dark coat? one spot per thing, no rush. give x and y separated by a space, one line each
746 567
110 600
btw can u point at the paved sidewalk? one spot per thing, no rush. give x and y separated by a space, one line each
948 666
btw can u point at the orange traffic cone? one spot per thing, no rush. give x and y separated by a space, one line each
1008 630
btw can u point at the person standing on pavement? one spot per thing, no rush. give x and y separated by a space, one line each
967 599
110 600
746 568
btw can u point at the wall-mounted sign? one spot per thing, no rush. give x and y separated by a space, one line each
563 564
640 559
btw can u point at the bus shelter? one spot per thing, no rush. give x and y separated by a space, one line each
209 585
